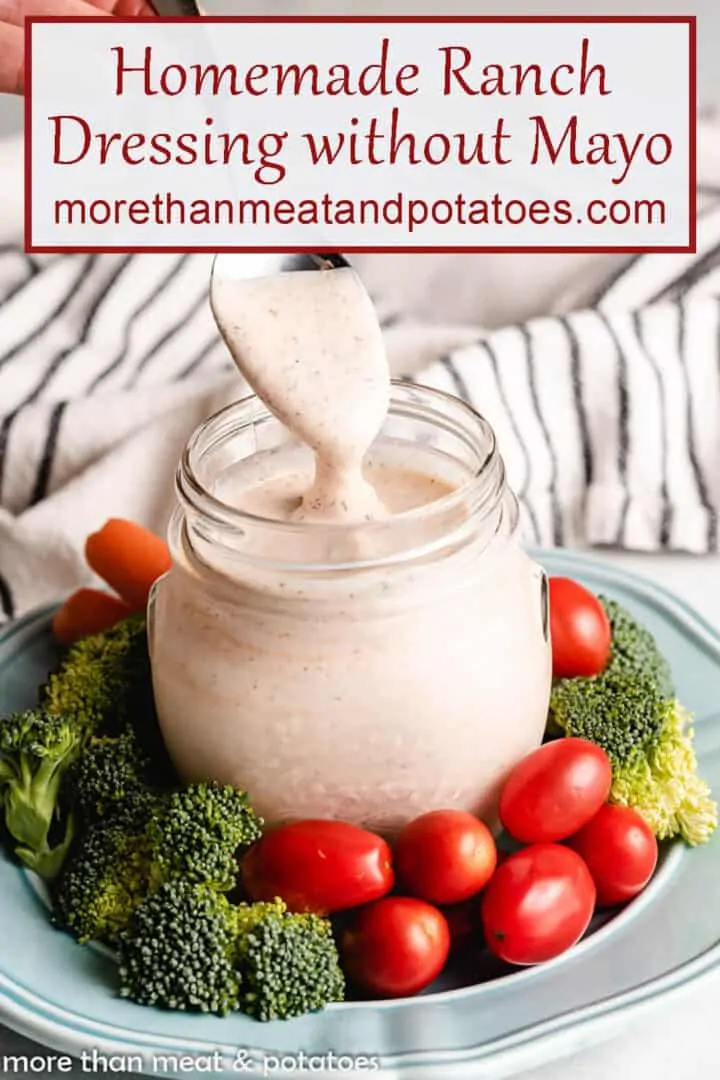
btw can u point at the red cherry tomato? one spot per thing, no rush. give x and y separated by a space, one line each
555 790
579 630
444 856
319 866
621 853
395 947
538 904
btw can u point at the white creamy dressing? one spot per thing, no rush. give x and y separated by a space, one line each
370 694
310 346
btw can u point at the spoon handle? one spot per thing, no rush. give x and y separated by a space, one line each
171 9
329 260
174 9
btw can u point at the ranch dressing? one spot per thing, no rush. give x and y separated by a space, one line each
310 346
350 628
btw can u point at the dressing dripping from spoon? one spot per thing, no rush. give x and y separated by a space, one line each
309 345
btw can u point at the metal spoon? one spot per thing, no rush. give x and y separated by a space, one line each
227 266
231 267
239 267
177 9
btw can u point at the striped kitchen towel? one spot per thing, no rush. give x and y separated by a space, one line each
608 418
606 407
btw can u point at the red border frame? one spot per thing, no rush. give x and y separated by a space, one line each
688 20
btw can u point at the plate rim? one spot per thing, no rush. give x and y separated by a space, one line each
66 1031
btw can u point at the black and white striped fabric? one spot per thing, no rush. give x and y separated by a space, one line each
608 417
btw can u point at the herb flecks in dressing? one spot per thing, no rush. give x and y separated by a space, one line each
310 346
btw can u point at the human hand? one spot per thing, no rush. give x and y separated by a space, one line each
12 35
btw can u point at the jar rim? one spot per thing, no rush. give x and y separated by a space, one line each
478 488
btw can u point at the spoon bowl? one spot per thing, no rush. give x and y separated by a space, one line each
229 266
303 334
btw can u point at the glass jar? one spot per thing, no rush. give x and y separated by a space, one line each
368 672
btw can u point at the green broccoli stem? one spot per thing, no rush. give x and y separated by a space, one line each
31 802
8 772
48 862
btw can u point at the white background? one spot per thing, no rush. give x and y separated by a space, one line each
647 98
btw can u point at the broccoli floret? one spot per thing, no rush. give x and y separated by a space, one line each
36 749
103 680
634 649
201 832
288 962
146 839
104 686
188 948
621 711
113 775
109 872
631 711
663 785
179 951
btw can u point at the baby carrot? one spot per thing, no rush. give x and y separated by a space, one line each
129 558
87 611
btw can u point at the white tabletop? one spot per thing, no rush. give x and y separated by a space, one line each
675 1041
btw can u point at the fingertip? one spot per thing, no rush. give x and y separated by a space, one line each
12 64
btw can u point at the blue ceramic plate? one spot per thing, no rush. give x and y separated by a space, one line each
62 995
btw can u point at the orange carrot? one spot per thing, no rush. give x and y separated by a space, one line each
87 611
129 558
